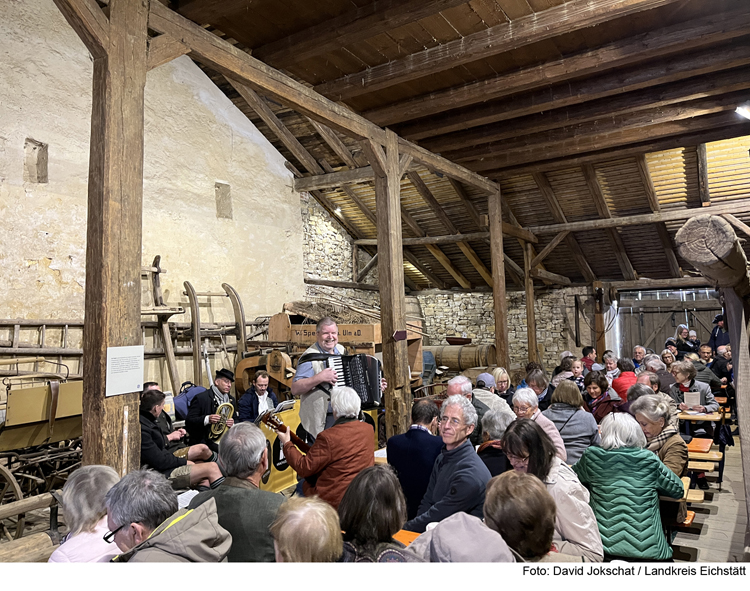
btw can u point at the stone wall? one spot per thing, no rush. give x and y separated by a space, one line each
218 203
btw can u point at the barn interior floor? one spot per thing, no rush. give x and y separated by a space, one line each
718 532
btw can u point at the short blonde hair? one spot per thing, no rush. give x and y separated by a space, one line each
83 497
567 392
498 373
307 529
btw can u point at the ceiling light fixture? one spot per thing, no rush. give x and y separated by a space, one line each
744 111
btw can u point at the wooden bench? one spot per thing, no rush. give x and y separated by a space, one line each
33 548
721 399
695 495
711 456
700 445
697 466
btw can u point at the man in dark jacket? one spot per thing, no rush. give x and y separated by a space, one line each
459 477
413 453
202 411
173 438
179 466
461 386
719 334
258 399
244 510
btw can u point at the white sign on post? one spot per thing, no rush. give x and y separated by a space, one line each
124 370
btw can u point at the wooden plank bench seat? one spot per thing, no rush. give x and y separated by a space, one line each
696 466
695 495
711 456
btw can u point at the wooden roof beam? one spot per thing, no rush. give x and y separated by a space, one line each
735 206
468 204
429 275
433 203
677 92
163 49
535 27
351 27
89 22
549 276
702 171
443 259
602 128
738 224
615 139
548 249
557 213
612 84
625 52
685 140
239 65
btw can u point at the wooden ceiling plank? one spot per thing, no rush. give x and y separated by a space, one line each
163 49
476 262
625 52
443 259
677 92
735 206
702 171
207 11
351 27
612 84
628 272
548 249
433 203
533 28
589 174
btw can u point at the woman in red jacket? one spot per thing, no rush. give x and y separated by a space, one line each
626 378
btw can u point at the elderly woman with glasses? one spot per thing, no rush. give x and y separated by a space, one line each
526 406
625 482
530 450
653 415
86 516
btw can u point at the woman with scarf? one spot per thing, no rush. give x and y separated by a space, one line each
603 400
610 365
663 439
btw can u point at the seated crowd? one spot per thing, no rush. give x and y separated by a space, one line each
584 467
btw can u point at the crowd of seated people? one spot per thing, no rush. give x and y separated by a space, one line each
587 478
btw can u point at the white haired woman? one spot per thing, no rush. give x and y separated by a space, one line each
86 516
653 415
526 406
338 454
625 482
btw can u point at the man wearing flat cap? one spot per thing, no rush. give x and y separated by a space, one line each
202 412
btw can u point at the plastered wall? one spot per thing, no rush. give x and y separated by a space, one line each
194 138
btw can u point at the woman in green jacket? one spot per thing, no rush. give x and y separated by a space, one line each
625 481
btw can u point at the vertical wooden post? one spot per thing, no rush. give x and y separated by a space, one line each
355 262
111 431
601 342
494 209
530 315
391 281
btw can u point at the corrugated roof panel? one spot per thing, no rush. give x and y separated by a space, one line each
675 177
622 187
526 201
645 251
728 169
597 249
573 194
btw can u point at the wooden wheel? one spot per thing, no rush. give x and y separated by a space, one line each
10 491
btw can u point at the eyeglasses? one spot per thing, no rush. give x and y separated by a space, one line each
521 409
109 537
455 422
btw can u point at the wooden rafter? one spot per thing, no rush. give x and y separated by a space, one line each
618 247
549 248
445 261
682 91
533 28
557 213
702 171
351 27
431 201
739 206
163 49
662 71
626 52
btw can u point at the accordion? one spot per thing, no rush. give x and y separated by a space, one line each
360 372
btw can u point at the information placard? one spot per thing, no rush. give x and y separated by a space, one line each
124 370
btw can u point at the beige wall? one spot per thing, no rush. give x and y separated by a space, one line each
194 137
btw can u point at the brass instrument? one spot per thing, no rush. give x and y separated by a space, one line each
225 411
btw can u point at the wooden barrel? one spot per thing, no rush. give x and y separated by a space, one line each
413 308
461 357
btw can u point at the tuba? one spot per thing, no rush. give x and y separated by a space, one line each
225 411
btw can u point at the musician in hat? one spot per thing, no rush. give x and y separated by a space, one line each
203 410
